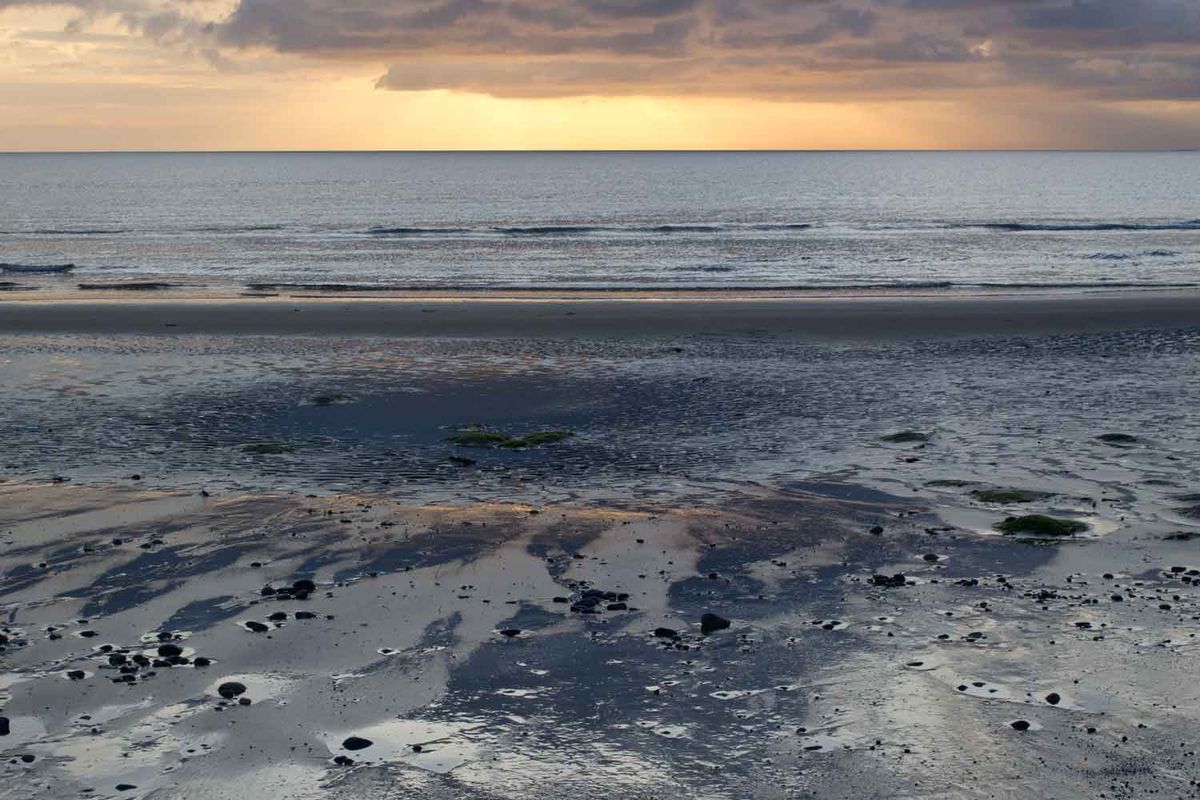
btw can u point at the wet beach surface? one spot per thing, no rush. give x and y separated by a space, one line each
239 565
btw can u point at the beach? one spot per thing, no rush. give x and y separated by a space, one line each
776 544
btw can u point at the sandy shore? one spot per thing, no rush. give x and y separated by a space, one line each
606 315
332 548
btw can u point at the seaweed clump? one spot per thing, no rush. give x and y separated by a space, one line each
268 448
1009 496
481 438
1040 525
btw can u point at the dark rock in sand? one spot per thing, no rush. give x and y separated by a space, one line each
1020 725
906 437
76 675
305 615
892 582
231 689
355 743
711 623
877 530
303 586
510 632
1041 525
1053 698
169 650
344 761
1009 496
666 633
1118 438
201 661
5 726
256 627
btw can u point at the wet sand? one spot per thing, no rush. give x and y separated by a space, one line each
261 553
605 314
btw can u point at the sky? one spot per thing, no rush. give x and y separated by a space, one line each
598 74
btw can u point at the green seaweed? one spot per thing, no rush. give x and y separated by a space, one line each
482 438
906 437
1009 496
1040 525
268 448
536 439
479 439
331 399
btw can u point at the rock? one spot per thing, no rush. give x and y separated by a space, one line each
303 586
666 633
1053 698
201 661
344 761
892 582
76 674
5 726
231 689
1020 725
711 623
906 437
877 530
256 627
510 632
356 743
168 650
305 615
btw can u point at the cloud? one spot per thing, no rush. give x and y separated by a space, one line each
803 49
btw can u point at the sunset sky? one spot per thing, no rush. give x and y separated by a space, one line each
583 74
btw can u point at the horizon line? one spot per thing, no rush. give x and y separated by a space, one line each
589 151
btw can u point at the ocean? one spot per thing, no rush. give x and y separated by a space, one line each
634 221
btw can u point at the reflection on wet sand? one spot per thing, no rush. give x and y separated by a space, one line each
520 651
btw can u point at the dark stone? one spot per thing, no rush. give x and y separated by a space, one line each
711 623
355 743
76 674
1020 725
510 632
256 627
201 661
344 761
169 650
231 689
893 582
304 586
666 633
5 726
1053 698
877 530
305 615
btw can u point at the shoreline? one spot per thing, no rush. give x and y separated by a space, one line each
616 314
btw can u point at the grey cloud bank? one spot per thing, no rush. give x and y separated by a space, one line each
804 49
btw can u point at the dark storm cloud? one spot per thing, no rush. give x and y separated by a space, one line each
1120 49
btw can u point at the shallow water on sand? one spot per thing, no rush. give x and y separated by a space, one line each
530 625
